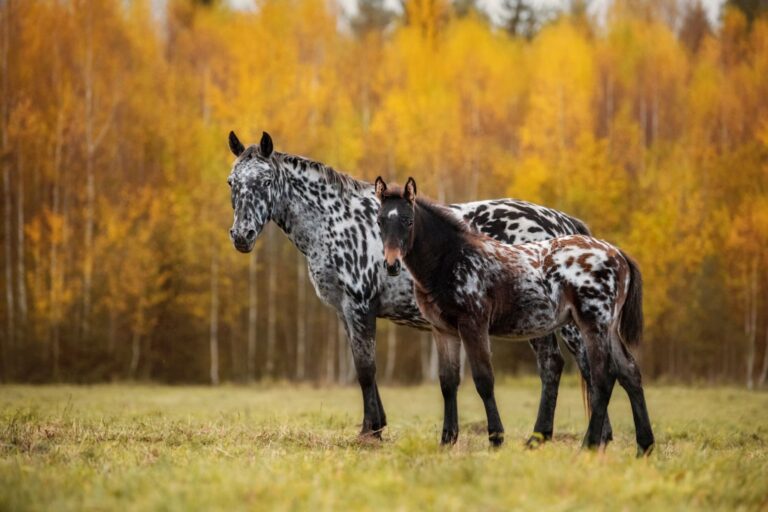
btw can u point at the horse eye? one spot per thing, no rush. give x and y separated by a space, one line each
267 183
408 221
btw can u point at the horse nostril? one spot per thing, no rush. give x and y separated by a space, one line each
250 235
232 234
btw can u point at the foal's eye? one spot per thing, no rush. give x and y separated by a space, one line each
267 183
408 222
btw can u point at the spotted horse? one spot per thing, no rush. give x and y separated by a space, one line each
331 218
470 286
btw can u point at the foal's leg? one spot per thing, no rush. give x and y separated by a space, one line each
360 324
448 353
629 377
602 381
575 344
550 363
478 348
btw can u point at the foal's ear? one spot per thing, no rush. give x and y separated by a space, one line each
410 190
235 146
265 146
380 187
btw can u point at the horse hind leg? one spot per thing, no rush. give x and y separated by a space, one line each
628 374
550 364
601 380
575 344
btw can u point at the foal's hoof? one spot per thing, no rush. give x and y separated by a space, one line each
370 434
537 439
449 437
645 452
496 439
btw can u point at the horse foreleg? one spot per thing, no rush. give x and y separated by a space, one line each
448 354
478 348
550 364
361 331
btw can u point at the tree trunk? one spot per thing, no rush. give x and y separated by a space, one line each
764 372
426 339
342 347
330 360
135 353
301 317
214 336
90 180
9 296
750 322
20 259
389 369
7 342
253 311
272 305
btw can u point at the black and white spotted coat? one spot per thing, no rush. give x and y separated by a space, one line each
331 218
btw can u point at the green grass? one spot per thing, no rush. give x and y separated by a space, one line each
196 448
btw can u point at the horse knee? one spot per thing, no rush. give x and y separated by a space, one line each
484 384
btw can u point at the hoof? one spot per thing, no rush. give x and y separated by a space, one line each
449 437
536 440
496 439
645 452
370 434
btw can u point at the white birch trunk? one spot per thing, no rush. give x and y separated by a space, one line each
272 307
253 309
214 316
389 368
20 257
301 317
750 322
8 243
764 372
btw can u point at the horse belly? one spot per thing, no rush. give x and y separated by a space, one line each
525 311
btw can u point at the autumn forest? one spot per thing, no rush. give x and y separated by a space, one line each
649 122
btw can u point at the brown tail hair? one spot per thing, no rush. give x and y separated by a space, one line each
631 323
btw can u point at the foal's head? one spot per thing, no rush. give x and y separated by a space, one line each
396 222
253 183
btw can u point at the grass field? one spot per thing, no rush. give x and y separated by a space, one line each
286 448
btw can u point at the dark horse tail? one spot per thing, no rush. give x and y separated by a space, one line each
631 322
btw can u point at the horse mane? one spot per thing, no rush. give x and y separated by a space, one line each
344 183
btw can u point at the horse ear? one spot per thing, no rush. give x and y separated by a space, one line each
265 146
235 146
410 190
380 187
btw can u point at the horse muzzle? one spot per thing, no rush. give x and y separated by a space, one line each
243 240
393 269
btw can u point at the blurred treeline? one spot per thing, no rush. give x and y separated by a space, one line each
651 124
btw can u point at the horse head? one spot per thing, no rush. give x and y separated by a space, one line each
254 184
396 222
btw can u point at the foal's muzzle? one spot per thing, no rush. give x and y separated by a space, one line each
393 269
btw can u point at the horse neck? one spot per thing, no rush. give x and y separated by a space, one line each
303 212
436 242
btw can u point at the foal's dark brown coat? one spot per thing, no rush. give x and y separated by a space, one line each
469 286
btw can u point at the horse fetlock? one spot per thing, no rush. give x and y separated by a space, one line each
645 452
496 438
536 440
449 437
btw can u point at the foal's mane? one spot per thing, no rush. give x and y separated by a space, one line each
343 182
437 210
